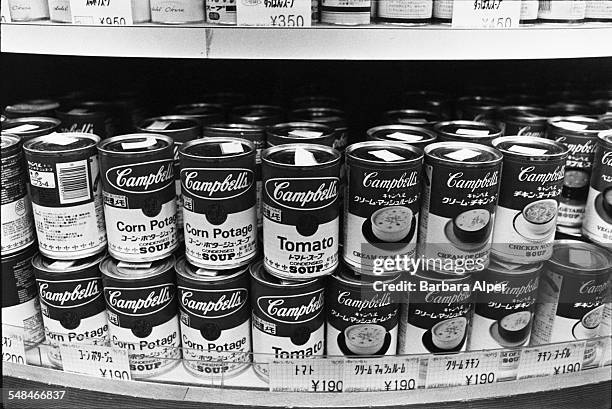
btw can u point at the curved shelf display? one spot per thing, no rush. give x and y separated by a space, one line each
376 42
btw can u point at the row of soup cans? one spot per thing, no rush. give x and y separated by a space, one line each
224 318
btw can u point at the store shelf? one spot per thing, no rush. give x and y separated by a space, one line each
322 42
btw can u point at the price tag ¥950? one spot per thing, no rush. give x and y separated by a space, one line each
274 13
546 360
381 374
101 12
487 14
96 360
13 349
307 375
474 368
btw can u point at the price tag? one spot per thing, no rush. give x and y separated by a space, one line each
101 12
489 14
5 12
96 360
472 368
381 374
274 13
549 360
307 375
13 349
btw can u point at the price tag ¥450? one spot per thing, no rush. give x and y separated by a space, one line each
486 14
274 13
102 12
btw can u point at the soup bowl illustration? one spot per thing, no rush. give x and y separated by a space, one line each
540 215
472 226
365 339
449 334
592 319
514 327
391 224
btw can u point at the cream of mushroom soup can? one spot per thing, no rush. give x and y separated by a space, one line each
219 199
301 210
288 320
531 184
142 313
66 193
139 196
597 224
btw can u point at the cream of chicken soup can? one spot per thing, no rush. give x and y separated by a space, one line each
597 224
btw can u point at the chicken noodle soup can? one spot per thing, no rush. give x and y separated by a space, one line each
139 196
288 318
301 222
220 208
72 303
532 180
215 319
66 195
597 224
221 12
382 203
177 11
142 313
408 134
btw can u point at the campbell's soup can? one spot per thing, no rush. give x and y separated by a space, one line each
30 127
382 203
139 196
524 120
300 132
597 224
362 316
460 193
531 184
408 134
89 117
573 288
405 12
413 117
143 313
333 117
435 318
262 115
72 303
468 131
215 314
17 220
219 199
177 11
66 195
288 318
443 11
30 10
301 210
20 307
32 108
346 12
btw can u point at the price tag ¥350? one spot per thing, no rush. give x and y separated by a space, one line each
489 14
101 12
274 13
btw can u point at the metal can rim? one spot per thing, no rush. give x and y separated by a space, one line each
265 155
109 268
468 145
384 144
181 265
95 138
105 142
216 139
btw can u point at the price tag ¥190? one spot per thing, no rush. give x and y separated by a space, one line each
473 368
274 13
13 349
101 12
306 375
96 360
546 360
381 374
486 14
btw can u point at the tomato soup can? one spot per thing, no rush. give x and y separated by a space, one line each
414 117
142 313
220 208
301 210
597 224
32 108
177 11
263 115
408 134
461 188
221 12
405 12
288 318
531 184
436 317
524 120
300 132
139 196
72 303
573 288
30 127
17 220
382 203
468 131
66 195
215 316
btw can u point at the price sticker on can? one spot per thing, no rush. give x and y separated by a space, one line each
5 15
13 349
473 368
486 14
547 360
307 375
274 13
381 374
96 360
101 12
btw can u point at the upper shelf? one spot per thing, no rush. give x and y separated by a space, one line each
380 42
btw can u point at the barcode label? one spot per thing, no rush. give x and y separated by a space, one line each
545 5
73 182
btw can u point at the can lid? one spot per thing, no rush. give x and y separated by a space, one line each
30 126
235 129
129 271
184 268
606 137
258 114
332 117
402 133
532 148
300 155
135 143
217 148
61 142
383 153
410 117
503 267
49 265
260 274
524 113
577 125
32 106
9 142
463 153
573 256
468 131
300 131
180 128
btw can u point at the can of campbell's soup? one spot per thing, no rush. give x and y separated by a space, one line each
32 108
215 318
28 10
203 112
301 210
382 204
411 135
177 11
17 219
524 120
96 117
414 117
59 11
30 127
288 319
405 12
263 115
221 12
346 12
220 207
72 304
66 195
300 132
142 313
333 117
468 131
531 184
567 11
460 194
139 196
443 11
597 224
141 11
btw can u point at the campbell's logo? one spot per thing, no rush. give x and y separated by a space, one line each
212 303
303 193
292 309
82 128
377 301
587 148
528 288
404 181
456 180
216 184
528 174
528 131
591 287
448 298
139 301
69 293
607 159
146 177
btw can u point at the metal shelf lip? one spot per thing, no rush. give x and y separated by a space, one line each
376 42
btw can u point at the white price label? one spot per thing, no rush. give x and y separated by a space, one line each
472 368
274 13
96 360
488 14
5 12
381 374
13 349
307 375
549 360
101 12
